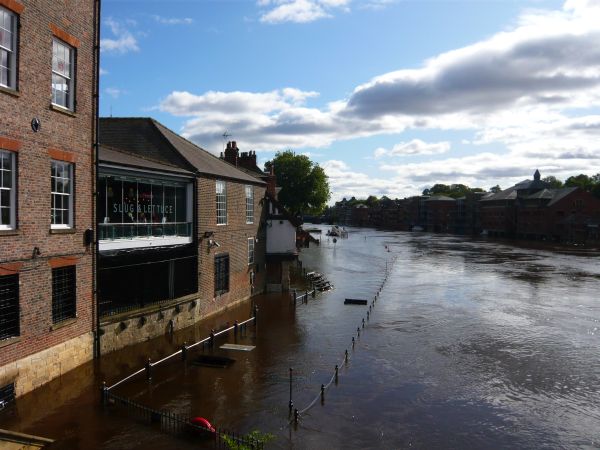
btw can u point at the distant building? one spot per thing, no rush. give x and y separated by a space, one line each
440 211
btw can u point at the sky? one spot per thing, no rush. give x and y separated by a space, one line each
389 96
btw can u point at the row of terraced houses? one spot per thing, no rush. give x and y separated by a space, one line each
530 210
112 231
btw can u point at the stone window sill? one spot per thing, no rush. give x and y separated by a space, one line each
63 231
10 232
62 324
60 109
10 341
10 91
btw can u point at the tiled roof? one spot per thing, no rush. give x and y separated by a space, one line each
148 138
121 158
559 194
441 198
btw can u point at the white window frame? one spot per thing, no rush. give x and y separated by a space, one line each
11 82
10 174
67 76
251 251
68 194
221 202
249 204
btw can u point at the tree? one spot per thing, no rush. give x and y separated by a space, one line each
583 181
554 182
495 189
304 185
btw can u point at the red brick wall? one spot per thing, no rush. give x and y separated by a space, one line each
69 135
232 239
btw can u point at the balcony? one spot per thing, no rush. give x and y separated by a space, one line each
116 236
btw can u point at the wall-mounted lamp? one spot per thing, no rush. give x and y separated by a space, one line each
212 244
36 252
208 234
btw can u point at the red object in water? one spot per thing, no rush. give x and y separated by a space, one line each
202 422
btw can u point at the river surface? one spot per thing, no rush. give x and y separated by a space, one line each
470 344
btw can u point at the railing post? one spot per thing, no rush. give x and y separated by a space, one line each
322 393
212 338
183 351
336 374
363 322
148 370
104 392
346 353
353 342
358 331
291 403
235 328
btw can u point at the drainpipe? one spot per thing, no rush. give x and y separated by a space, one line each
95 129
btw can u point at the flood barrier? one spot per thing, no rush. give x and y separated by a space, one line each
170 422
295 413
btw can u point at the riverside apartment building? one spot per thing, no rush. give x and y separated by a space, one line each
47 113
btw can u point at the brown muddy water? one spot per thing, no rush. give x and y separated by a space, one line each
471 344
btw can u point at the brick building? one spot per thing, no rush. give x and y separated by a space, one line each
440 211
180 214
48 73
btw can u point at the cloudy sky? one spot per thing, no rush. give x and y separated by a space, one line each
389 96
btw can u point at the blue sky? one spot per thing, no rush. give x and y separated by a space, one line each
389 96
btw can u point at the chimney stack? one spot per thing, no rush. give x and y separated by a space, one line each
231 153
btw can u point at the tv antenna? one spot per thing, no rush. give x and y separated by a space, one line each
225 135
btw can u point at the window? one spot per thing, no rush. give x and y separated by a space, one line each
9 306
63 74
62 194
7 190
251 250
249 204
221 203
63 294
7 395
8 49
221 274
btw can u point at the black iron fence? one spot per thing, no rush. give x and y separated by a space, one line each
176 423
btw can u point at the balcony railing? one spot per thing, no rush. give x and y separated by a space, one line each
121 231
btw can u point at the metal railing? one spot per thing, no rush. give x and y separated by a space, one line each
174 423
114 231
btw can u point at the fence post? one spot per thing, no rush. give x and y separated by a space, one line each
346 355
148 370
353 342
358 331
104 391
363 322
291 403
322 393
183 351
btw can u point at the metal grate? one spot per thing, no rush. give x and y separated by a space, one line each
221 274
7 395
63 294
9 306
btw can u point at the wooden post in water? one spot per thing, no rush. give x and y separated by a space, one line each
291 403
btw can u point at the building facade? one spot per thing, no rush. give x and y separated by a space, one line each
47 110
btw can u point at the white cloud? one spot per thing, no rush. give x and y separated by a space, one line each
299 11
114 92
414 147
523 89
103 71
123 41
173 21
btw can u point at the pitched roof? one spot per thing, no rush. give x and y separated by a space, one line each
559 194
114 156
441 198
144 136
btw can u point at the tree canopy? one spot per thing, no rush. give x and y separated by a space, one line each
304 185
452 190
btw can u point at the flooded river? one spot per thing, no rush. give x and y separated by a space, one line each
471 344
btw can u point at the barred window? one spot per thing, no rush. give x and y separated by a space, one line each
9 306
63 294
63 78
7 395
7 190
62 194
8 49
221 202
249 204
221 274
251 250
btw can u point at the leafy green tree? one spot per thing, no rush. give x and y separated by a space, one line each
372 201
304 185
583 181
554 182
495 189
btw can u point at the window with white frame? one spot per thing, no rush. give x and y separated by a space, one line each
251 250
63 80
8 49
221 202
7 190
249 204
62 194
